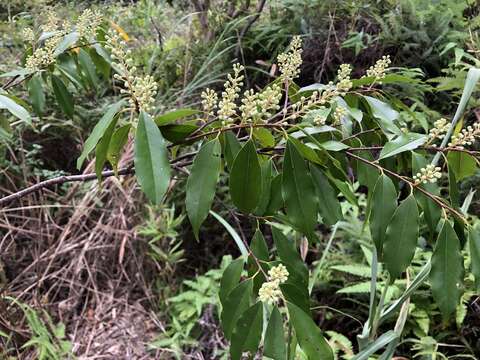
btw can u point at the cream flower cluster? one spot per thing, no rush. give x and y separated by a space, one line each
289 62
28 35
256 106
270 291
466 136
227 106
44 56
378 70
344 83
51 24
140 89
209 101
428 174
339 113
440 128
88 22
319 119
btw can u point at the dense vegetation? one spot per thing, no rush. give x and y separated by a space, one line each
212 179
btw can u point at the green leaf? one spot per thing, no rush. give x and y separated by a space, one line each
36 93
248 332
259 248
276 199
328 203
236 302
453 188
63 96
267 171
231 148
309 336
88 67
298 191
295 293
172 116
98 131
246 178
264 136
202 182
446 276
232 232
403 143
334 145
230 278
401 237
474 241
385 115
378 344
118 141
67 42
290 257
275 346
102 149
14 108
151 159
384 203
177 132
462 164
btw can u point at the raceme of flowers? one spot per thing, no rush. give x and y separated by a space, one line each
140 89
289 62
440 128
227 106
466 136
428 174
270 291
378 71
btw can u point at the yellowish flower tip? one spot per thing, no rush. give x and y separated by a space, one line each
290 61
209 101
466 137
227 106
378 70
428 174
270 291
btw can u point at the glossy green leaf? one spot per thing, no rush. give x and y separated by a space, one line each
63 96
98 131
385 115
401 237
118 141
14 108
276 199
462 164
264 137
267 175
446 276
67 42
231 148
294 292
328 204
309 336
403 143
247 333
152 167
88 67
474 242
345 189
36 93
246 178
275 346
384 204
453 188
290 257
102 149
230 278
202 182
177 132
172 116
236 302
298 191
334 145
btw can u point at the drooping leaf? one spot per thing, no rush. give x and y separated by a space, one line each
276 199
202 182
446 275
246 178
152 167
231 147
401 237
453 188
264 137
267 175
328 204
15 109
63 96
384 203
230 278
88 67
247 332
259 248
36 93
385 115
236 302
102 149
462 164
67 41
404 142
232 232
298 191
275 346
309 336
474 240
98 131
118 141
172 116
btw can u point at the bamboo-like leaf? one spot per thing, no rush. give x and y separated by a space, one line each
384 203
152 167
248 332
246 178
328 204
98 131
275 346
401 237
63 96
202 182
309 336
446 275
15 109
232 232
378 344
298 191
